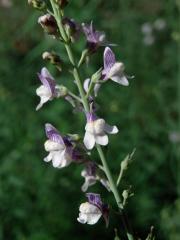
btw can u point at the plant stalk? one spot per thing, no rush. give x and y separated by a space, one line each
58 17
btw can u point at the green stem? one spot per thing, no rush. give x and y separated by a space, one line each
74 96
58 17
90 88
119 178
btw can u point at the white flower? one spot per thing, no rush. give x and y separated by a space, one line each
92 174
59 153
147 28
160 24
148 40
96 129
112 69
48 90
90 180
89 213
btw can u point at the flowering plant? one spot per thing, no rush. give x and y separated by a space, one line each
66 149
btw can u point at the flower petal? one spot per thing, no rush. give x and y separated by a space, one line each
82 218
109 59
48 158
89 140
95 199
89 181
101 139
116 69
99 126
111 129
53 134
45 95
42 101
121 80
86 84
96 89
47 80
50 146
89 213
93 218
61 159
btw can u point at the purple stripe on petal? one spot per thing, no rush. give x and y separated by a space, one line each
95 199
91 117
92 35
47 80
109 59
53 134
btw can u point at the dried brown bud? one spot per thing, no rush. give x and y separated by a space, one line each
53 58
48 23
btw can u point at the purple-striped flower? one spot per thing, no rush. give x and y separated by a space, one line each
92 175
113 70
94 38
61 151
91 211
48 90
96 131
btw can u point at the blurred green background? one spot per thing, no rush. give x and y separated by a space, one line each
38 202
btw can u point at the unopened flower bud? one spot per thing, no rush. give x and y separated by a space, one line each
72 28
62 91
53 58
62 3
74 137
127 194
125 163
97 76
48 23
38 4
